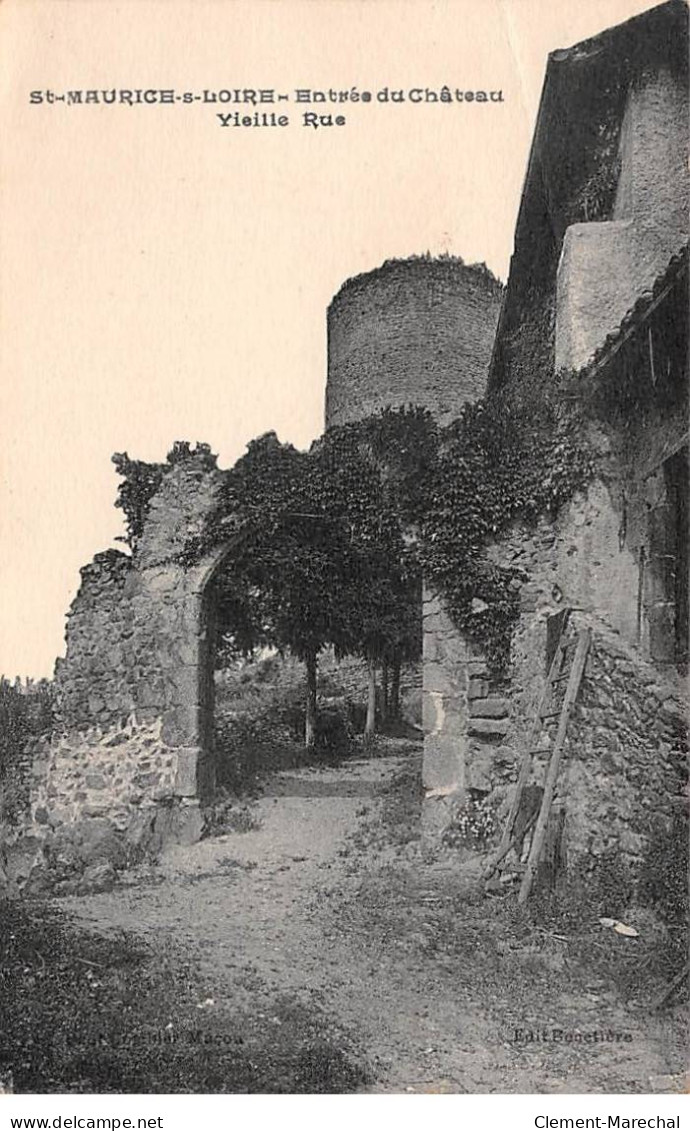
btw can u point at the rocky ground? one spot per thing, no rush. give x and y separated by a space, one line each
315 948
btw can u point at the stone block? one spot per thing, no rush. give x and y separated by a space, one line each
442 679
433 712
95 781
181 726
480 764
184 685
178 825
444 762
430 646
488 727
148 714
138 833
186 771
478 687
490 708
150 694
186 652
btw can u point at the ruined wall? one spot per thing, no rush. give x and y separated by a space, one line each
464 718
605 267
418 331
624 754
135 691
624 759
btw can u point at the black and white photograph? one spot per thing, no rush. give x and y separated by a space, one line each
343 557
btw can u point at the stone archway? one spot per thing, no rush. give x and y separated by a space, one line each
135 689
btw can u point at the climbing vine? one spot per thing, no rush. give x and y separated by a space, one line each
495 465
141 481
329 545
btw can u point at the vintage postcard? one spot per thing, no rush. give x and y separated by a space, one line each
344 569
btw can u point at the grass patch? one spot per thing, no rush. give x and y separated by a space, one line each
396 819
83 1013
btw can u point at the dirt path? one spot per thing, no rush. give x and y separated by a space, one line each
306 904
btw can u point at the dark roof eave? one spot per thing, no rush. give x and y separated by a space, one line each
638 314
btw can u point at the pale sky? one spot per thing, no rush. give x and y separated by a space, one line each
164 278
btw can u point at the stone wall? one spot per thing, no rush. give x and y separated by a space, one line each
135 690
413 332
464 719
624 754
605 267
576 561
625 750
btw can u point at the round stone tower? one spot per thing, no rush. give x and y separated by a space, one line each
414 331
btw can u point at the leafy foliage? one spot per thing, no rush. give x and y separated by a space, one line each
328 546
473 825
497 464
318 549
286 552
141 481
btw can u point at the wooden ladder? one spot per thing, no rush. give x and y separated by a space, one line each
559 673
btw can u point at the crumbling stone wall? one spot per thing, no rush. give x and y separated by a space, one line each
135 690
625 747
625 750
415 331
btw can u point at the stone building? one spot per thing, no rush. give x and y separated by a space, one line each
597 291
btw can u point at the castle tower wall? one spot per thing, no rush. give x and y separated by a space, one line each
414 331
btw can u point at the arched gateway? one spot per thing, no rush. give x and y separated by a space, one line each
135 689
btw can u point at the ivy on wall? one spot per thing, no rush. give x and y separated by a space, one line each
330 542
495 465
141 481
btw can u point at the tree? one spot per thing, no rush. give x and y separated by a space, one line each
287 559
320 555
380 591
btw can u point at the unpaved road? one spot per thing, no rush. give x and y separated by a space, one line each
307 903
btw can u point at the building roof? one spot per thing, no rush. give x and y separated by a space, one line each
639 313
572 172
